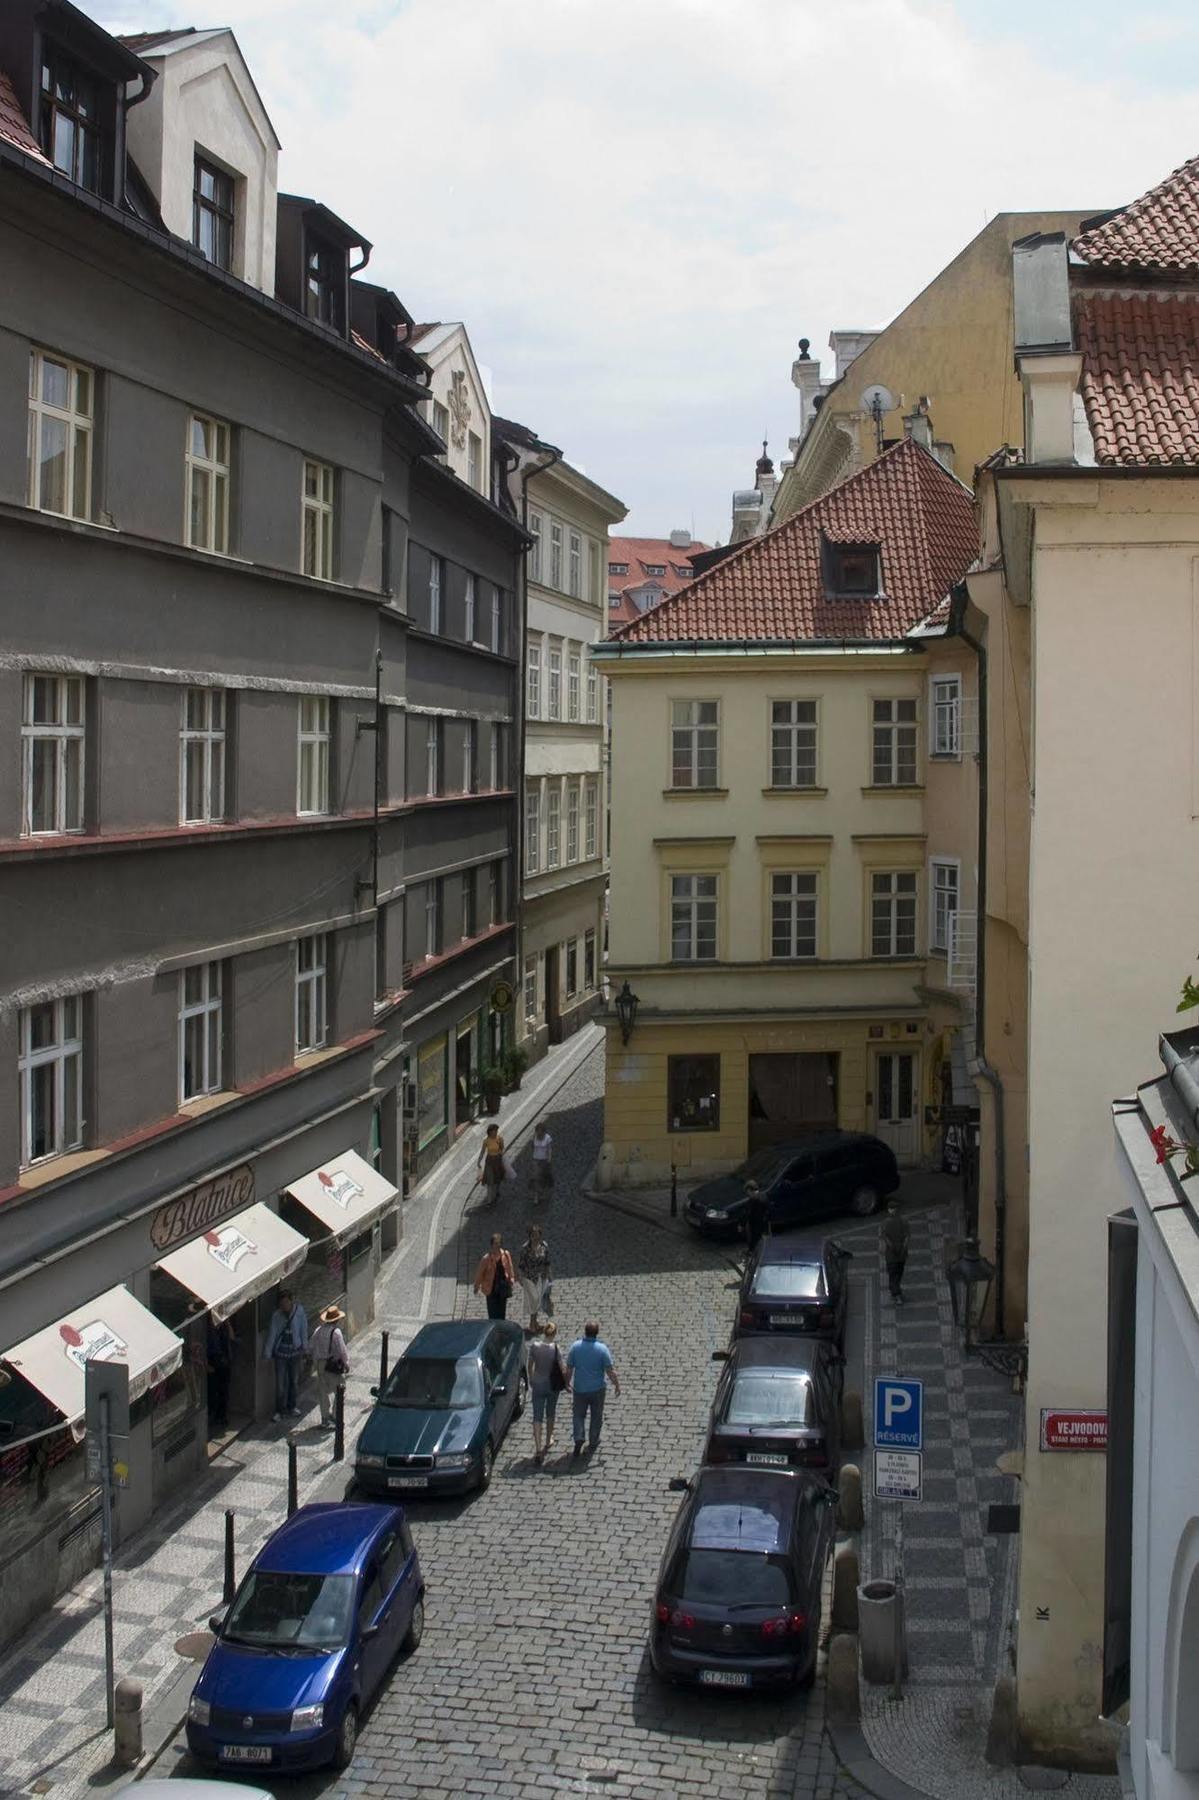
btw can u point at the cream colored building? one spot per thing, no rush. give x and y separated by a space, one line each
458 407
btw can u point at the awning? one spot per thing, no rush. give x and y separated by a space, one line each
232 1262
346 1195
114 1327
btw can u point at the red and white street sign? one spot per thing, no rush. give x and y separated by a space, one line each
1072 1430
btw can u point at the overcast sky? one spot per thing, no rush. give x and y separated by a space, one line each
638 206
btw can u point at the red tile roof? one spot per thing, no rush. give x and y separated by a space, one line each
1159 233
1140 375
14 126
640 554
774 586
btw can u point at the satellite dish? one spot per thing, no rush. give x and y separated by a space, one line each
877 399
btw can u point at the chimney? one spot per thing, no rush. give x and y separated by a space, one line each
680 540
1048 365
944 454
918 426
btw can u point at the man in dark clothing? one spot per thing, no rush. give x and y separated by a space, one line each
895 1249
757 1215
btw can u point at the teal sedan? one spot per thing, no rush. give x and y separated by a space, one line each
441 1415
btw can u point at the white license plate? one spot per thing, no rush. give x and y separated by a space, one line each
786 1318
765 1456
256 1753
723 1678
408 1481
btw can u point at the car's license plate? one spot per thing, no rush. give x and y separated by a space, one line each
256 1753
786 1319
408 1481
765 1456
723 1678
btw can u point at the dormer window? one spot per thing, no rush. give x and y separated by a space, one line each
852 571
325 281
70 121
655 568
212 213
618 568
682 573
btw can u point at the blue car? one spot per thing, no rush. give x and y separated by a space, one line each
313 1629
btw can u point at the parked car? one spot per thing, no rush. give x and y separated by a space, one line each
778 1404
312 1631
441 1415
737 1603
814 1178
796 1284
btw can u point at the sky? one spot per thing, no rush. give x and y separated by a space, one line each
639 206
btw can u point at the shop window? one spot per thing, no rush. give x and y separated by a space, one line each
693 1093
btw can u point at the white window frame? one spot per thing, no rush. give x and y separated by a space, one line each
532 681
570 968
794 742
497 617
441 422
209 740
435 585
495 888
555 556
690 907
592 693
573 810
797 910
469 606
207 1007
689 746
214 468
474 460
554 682
470 905
574 685
590 944
553 825
533 828
312 989
64 1057
891 898
530 989
944 886
945 717
317 520
433 919
893 740
535 547
575 565
497 757
76 419
67 736
315 754
432 757
591 818
470 756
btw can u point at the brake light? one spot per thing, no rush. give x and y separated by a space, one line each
790 1626
668 1615
747 1317
663 1612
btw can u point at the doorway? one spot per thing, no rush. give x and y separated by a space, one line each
464 1110
553 994
896 1087
791 1095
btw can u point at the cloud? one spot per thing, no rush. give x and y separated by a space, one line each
639 205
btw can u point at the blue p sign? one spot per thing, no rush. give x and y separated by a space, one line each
898 1413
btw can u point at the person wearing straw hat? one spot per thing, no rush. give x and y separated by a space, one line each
330 1360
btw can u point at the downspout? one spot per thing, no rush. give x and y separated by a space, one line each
551 457
980 1065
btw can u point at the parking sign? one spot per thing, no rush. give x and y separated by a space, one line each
898 1414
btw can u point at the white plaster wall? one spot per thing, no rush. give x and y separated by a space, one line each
452 354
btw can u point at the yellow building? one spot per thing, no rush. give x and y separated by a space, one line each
792 831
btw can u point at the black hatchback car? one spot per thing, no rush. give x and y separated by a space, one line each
738 1597
794 1285
815 1178
778 1404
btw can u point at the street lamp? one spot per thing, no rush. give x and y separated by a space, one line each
626 1011
969 1279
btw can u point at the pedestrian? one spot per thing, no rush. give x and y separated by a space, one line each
286 1343
331 1361
590 1363
221 1339
896 1234
541 1171
547 1379
495 1278
757 1215
491 1166
533 1262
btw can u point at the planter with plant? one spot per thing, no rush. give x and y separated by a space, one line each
515 1061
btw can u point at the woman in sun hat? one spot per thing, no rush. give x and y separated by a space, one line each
330 1360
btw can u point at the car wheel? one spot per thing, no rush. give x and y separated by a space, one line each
486 1466
864 1202
347 1738
416 1629
522 1396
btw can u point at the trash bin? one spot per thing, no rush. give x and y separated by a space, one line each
877 1603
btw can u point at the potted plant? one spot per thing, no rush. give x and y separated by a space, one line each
493 1080
515 1062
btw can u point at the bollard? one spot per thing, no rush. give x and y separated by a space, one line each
230 1581
293 1498
383 1361
339 1423
843 1694
881 1632
674 1192
127 1724
853 1436
850 1516
846 1576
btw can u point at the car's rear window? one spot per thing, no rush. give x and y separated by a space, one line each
280 1610
790 1281
770 1397
434 1382
733 1578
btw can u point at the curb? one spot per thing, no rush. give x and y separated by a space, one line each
858 1761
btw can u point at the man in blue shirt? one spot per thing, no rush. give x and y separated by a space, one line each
286 1344
590 1363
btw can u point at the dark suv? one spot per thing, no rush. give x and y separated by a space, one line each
830 1172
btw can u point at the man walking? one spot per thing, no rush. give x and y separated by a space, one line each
590 1362
286 1343
495 1278
895 1249
541 1173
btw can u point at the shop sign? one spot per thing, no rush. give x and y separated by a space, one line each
1072 1430
502 997
198 1209
431 1089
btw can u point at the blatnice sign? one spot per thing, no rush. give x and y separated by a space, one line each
1072 1430
187 1216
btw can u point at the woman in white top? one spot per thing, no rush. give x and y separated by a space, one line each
331 1361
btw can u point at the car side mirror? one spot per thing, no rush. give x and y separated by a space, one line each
498 1391
374 1393
216 1620
679 1484
720 1356
368 1632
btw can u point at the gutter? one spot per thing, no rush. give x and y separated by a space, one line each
619 647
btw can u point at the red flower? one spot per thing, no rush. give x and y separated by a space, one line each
1163 1143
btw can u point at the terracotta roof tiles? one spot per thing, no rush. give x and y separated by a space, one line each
1140 375
1159 233
14 126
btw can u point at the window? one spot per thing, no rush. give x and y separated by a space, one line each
693 743
433 919
208 484
212 213
533 681
495 893
530 987
469 923
535 547
591 818
572 821
574 681
692 918
497 619
555 684
202 757
311 1008
474 459
199 1031
793 743
60 435
589 960
852 570
576 565
50 1069
432 756
684 574
498 771
325 279
553 825
592 694
793 915
655 568
595 573
618 568
70 122
893 914
533 828
572 968
52 755
945 879
318 520
692 1093
435 593
441 421
946 721
555 555
894 761
470 757
313 794
468 623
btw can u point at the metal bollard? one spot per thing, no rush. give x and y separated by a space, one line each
127 1724
383 1360
339 1423
230 1579
674 1192
293 1485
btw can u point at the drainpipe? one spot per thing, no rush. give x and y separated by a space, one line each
981 1066
551 457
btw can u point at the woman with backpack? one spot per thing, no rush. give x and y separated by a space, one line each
547 1379
330 1361
495 1278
